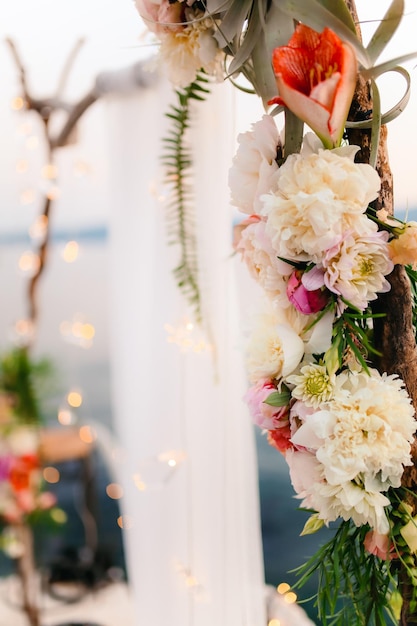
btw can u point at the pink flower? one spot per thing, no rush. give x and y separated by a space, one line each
305 300
281 439
316 77
161 15
264 415
46 500
379 545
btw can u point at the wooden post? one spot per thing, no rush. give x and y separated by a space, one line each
394 334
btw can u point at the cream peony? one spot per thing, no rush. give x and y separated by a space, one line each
356 268
254 169
361 439
274 349
189 50
258 254
319 197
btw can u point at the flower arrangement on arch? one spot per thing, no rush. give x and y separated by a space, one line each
327 254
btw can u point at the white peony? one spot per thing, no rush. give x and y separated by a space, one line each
189 50
318 198
274 349
361 439
254 169
356 268
258 254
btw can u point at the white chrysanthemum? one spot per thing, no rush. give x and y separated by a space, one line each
351 501
348 500
274 349
356 268
187 51
361 440
254 169
271 273
319 197
313 385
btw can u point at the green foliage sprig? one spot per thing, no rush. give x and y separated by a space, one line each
20 378
354 586
177 159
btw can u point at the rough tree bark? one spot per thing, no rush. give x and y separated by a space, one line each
394 334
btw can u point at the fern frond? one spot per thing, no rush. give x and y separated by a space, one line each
180 217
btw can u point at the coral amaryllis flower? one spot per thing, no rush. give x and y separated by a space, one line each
316 78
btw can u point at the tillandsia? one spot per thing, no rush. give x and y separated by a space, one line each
324 257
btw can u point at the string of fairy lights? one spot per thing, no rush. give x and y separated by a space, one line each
151 473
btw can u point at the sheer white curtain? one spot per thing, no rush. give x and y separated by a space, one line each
191 511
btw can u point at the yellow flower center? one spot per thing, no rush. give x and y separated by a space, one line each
366 267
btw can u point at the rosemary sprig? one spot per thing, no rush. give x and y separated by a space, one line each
177 160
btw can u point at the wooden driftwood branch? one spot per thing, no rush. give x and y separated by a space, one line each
394 334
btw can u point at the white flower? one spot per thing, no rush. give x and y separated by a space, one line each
271 273
254 169
187 51
23 440
274 349
319 197
313 385
351 501
361 438
357 266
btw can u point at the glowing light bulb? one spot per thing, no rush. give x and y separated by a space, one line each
283 588
70 252
23 328
139 484
53 192
51 475
29 262
87 434
290 597
114 491
27 196
74 399
125 522
59 516
82 168
274 622
17 103
65 417
39 227
32 142
25 128
21 166
49 171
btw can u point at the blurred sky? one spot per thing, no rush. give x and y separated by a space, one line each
45 31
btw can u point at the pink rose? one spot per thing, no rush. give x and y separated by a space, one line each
264 415
305 300
379 545
160 16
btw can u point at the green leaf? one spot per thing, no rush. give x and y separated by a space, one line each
277 398
386 29
293 133
397 109
312 525
339 9
376 124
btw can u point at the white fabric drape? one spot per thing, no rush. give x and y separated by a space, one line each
192 531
